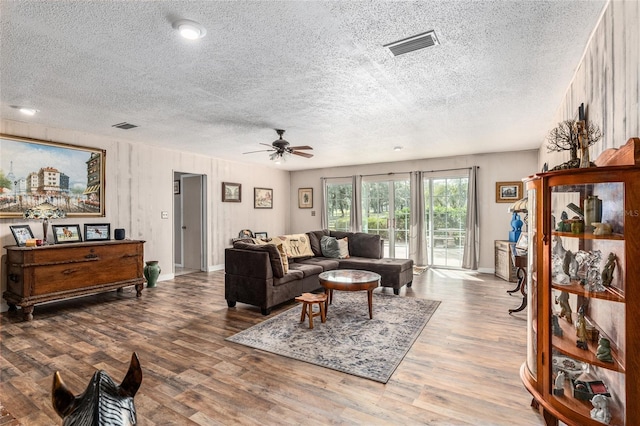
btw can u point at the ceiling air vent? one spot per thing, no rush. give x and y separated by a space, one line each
124 125
416 42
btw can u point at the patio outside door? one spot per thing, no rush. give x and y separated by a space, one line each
385 211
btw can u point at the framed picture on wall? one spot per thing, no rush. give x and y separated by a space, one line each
305 198
262 198
75 177
231 192
508 192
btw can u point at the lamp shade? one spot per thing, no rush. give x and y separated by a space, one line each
44 210
519 206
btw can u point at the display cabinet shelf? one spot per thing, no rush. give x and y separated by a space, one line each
574 287
567 345
589 236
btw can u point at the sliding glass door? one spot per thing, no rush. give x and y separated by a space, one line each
385 211
445 219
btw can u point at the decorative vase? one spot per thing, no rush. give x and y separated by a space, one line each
592 211
152 272
516 228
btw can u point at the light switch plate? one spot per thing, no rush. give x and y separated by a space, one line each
165 215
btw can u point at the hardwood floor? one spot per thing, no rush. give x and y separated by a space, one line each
462 370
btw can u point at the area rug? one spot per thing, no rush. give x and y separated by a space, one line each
348 341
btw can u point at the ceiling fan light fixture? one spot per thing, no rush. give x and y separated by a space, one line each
191 30
25 110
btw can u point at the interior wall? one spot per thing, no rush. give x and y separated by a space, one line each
139 187
607 81
494 218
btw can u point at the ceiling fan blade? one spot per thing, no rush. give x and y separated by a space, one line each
302 154
262 150
300 147
267 144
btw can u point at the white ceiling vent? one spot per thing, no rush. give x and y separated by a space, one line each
124 125
410 44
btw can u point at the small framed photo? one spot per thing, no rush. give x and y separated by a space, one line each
176 188
523 241
305 198
66 234
508 192
262 198
261 235
231 192
97 231
21 233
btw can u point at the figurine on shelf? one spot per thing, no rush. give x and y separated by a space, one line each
558 385
594 277
601 228
600 411
565 309
604 350
581 329
607 271
557 330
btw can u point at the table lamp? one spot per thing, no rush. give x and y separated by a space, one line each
44 211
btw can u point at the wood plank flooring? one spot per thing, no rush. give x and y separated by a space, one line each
462 370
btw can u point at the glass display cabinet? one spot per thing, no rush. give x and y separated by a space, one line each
583 336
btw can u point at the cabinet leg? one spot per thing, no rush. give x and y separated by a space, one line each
139 288
27 312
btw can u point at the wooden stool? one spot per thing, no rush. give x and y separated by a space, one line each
308 300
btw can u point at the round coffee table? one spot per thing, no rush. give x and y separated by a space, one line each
350 280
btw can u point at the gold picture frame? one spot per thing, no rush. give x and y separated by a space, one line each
508 192
62 176
305 198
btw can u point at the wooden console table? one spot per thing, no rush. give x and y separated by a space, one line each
54 272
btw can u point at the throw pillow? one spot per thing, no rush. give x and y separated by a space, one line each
343 245
296 245
278 243
330 247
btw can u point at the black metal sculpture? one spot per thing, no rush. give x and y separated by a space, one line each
103 403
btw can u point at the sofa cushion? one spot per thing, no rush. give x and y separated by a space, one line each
365 245
274 255
314 241
306 268
296 245
327 264
288 277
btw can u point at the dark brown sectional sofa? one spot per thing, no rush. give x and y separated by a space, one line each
254 273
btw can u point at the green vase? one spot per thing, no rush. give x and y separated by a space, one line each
152 272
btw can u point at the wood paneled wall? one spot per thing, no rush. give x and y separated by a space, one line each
606 81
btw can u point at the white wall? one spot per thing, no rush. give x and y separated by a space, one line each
139 186
607 81
494 219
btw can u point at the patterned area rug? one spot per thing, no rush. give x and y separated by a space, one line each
349 341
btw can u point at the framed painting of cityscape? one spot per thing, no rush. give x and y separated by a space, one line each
44 175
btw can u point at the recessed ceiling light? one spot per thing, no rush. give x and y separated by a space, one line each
191 30
397 148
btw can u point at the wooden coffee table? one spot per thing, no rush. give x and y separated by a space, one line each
350 280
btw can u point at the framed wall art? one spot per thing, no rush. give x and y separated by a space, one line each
54 175
21 233
305 198
231 192
66 234
97 231
508 192
262 198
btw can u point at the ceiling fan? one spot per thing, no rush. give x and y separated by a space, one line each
280 148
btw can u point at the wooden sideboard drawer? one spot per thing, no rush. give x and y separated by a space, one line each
40 274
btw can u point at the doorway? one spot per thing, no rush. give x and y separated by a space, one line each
385 211
190 227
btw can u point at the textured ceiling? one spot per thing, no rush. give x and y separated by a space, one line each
316 69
